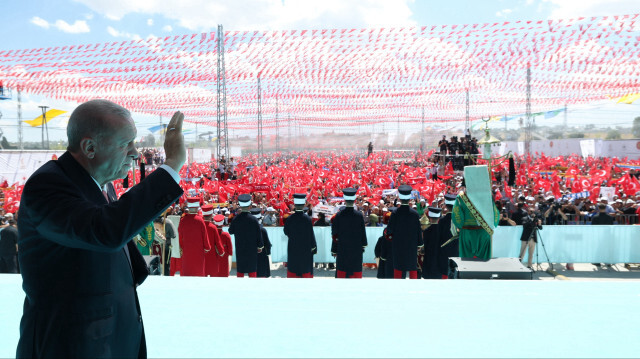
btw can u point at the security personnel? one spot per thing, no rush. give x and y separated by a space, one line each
431 237
302 241
405 234
264 269
248 238
452 248
194 240
349 238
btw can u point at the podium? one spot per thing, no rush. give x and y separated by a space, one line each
494 268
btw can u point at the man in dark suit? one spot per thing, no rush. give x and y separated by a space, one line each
80 268
602 218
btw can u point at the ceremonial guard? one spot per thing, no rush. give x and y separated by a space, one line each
194 240
248 238
431 237
227 246
405 234
214 256
264 268
302 241
448 247
175 263
349 238
475 214
383 252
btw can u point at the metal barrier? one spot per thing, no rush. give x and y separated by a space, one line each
585 219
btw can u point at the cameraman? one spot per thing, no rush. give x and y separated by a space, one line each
505 220
531 222
553 213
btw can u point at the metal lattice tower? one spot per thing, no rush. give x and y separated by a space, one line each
20 118
223 138
260 141
528 132
422 140
44 125
467 123
277 128
289 133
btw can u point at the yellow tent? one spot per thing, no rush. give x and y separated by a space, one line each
49 115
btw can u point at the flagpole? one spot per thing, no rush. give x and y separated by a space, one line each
44 121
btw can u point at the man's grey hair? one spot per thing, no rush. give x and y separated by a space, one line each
90 119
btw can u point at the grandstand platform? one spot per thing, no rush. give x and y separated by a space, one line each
231 317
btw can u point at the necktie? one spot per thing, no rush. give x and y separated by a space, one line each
106 196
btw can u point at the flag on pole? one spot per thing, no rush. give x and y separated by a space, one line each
49 115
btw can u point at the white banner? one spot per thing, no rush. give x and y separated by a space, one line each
323 208
17 166
607 192
390 192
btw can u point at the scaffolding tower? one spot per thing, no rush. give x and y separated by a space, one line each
223 138
422 134
528 129
277 123
467 122
260 141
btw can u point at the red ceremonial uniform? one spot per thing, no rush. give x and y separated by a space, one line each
223 263
194 241
215 255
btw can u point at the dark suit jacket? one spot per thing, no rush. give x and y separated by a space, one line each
79 266
602 218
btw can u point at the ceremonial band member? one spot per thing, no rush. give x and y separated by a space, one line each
431 236
406 236
248 238
450 249
194 240
302 241
213 257
349 238
80 269
264 269
227 246
475 214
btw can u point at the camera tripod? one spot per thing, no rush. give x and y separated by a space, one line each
539 237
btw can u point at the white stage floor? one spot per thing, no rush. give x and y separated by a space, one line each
326 317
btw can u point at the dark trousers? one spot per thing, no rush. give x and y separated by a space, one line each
8 263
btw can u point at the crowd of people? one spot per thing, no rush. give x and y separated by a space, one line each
545 191
562 190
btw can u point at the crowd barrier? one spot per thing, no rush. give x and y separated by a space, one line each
563 244
586 219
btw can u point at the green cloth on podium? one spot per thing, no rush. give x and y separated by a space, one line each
474 242
145 239
475 214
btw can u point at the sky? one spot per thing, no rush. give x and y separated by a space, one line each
46 23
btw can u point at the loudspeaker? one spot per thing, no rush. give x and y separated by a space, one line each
494 268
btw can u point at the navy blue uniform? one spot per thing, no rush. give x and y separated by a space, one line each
264 270
451 249
350 237
404 228
431 237
302 243
248 238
